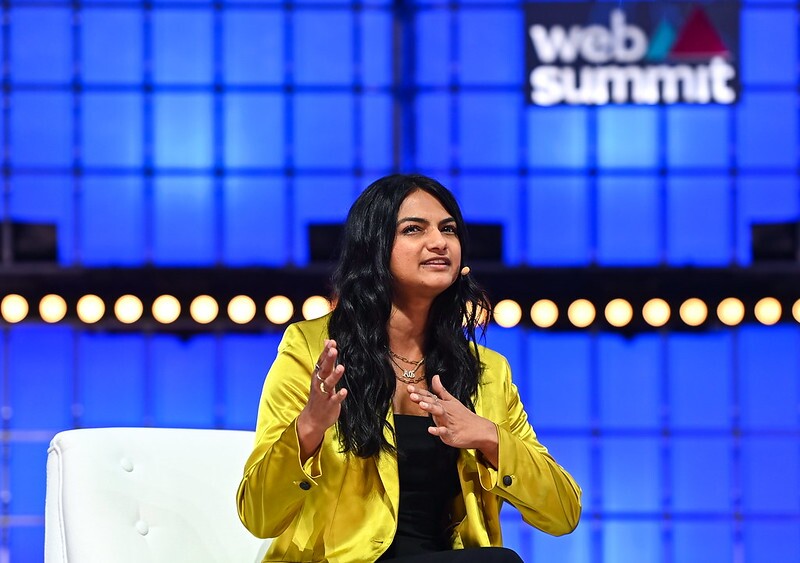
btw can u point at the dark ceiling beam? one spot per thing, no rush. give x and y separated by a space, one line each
524 285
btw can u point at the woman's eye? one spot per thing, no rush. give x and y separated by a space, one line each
410 229
449 229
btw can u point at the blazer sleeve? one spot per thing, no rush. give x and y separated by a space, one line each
527 476
275 482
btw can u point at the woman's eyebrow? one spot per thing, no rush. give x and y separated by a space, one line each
425 221
413 220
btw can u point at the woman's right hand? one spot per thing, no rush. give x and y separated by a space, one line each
324 402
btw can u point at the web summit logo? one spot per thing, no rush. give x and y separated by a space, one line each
597 54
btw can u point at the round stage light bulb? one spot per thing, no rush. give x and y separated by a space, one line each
581 313
52 308
128 309
693 311
166 309
768 311
203 309
796 310
544 313
90 308
656 312
507 313
315 307
241 309
619 312
14 308
279 309
730 311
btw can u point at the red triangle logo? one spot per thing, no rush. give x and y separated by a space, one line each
698 39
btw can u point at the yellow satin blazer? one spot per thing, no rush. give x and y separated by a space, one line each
340 508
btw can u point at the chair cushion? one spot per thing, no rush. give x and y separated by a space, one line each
147 495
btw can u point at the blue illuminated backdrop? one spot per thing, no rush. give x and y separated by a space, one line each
192 133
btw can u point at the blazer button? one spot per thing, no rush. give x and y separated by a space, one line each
507 480
305 485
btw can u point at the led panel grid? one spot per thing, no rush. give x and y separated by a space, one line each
631 478
111 45
34 60
183 131
561 205
323 47
763 198
183 381
111 365
702 476
703 541
768 383
248 35
40 129
39 385
767 130
701 383
27 542
242 387
255 209
185 221
489 58
698 137
770 475
254 125
630 381
558 380
489 132
628 204
112 226
699 220
47 199
558 137
182 46
167 125
494 199
112 130
765 37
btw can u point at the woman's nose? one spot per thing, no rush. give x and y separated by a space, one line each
437 240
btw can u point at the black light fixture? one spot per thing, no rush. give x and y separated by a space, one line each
775 242
29 242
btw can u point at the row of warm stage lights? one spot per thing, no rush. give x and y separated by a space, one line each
166 309
656 312
279 310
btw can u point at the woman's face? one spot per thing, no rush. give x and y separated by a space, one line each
426 256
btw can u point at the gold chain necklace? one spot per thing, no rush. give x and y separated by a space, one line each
409 375
406 360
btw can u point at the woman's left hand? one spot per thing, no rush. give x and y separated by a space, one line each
456 425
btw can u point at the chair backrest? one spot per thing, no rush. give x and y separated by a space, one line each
147 495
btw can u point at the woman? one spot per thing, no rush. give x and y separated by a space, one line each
384 431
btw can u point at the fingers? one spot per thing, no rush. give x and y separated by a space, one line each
327 359
329 383
428 401
439 389
326 373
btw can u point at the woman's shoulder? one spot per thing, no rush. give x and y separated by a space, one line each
491 359
314 332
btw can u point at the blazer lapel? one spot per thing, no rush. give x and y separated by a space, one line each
387 468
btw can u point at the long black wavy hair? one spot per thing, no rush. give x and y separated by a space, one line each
362 289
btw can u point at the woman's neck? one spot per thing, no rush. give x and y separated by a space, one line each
406 330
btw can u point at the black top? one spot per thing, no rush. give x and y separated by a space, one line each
428 482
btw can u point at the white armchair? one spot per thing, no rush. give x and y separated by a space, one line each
147 495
